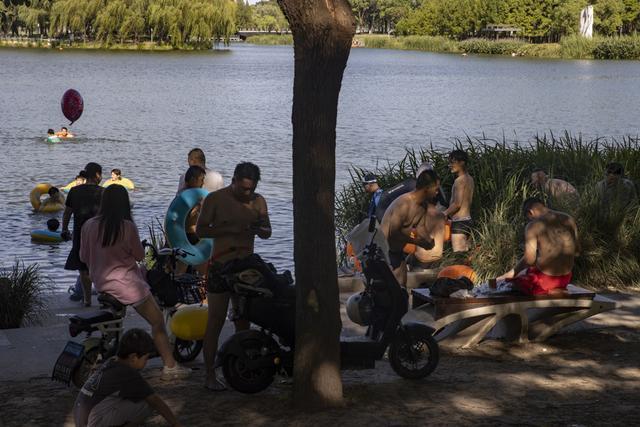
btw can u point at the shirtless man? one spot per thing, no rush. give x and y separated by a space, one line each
212 181
405 216
557 189
459 209
551 245
434 227
233 216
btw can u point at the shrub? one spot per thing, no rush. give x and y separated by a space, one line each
577 47
22 292
271 39
618 48
610 240
491 47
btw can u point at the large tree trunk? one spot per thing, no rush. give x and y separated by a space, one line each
322 34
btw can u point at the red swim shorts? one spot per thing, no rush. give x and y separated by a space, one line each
535 282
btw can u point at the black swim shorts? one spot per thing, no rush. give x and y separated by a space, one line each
396 258
462 227
216 282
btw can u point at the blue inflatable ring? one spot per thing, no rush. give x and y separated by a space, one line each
46 236
174 226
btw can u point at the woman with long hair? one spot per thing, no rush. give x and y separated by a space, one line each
111 248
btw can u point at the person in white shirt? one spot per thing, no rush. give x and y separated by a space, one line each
212 181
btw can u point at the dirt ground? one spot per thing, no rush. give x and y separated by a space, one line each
591 377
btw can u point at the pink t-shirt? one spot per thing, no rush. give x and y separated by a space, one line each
114 269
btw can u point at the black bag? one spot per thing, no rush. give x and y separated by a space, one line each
163 287
444 286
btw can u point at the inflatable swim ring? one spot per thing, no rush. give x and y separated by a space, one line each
69 186
447 230
46 236
125 182
456 271
53 139
189 322
34 198
174 225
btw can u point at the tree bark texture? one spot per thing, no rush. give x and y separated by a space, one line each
322 33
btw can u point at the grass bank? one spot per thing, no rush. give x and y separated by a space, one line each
271 39
89 45
571 47
610 239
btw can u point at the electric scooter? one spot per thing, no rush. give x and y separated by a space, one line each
78 360
250 359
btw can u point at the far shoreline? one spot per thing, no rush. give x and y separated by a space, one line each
569 48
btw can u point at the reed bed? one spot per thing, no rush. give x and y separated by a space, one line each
609 238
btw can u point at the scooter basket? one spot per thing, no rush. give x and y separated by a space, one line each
190 289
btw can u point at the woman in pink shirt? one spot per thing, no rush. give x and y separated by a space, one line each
111 248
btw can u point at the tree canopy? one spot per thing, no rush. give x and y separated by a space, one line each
175 22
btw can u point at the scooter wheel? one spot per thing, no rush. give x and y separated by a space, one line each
240 376
414 354
186 351
85 369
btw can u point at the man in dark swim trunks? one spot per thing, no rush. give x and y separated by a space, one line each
405 222
233 216
83 203
551 245
459 209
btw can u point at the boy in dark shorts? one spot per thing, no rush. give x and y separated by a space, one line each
83 203
116 394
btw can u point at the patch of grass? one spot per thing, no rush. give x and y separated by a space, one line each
491 47
610 238
271 39
22 292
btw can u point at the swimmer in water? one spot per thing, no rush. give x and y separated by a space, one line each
52 138
64 133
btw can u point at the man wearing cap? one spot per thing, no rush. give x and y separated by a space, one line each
371 186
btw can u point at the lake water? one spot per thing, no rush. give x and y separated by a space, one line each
144 111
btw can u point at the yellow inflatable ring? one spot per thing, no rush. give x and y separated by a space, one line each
190 322
69 186
125 182
46 236
34 198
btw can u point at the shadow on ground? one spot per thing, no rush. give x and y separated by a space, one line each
584 378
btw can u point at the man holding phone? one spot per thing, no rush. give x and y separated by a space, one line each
233 216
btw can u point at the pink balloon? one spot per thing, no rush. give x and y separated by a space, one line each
72 105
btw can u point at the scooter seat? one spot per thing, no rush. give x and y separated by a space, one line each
87 319
288 292
109 301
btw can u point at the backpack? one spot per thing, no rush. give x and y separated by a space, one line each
444 286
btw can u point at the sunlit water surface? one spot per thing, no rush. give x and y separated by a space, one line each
144 111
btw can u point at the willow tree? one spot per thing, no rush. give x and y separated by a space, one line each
322 34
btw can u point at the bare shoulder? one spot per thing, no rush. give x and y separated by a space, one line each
258 200
535 226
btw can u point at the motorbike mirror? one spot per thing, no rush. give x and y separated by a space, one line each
372 223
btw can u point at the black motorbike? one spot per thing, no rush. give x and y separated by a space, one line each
251 359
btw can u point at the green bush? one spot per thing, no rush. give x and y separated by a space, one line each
618 48
491 47
271 39
22 292
577 47
610 241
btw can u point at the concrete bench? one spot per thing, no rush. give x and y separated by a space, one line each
466 322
